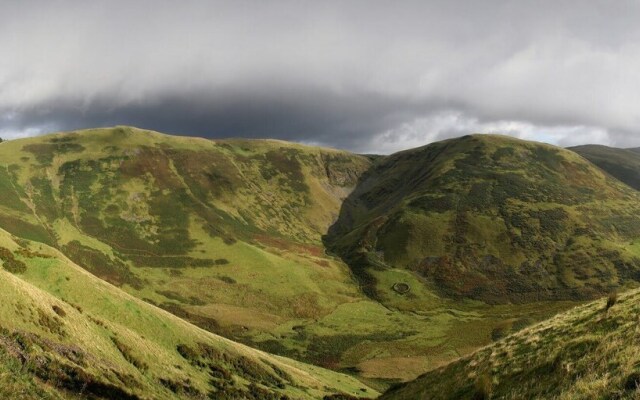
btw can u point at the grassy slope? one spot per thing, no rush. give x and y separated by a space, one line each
623 164
585 353
226 234
491 218
73 331
18 383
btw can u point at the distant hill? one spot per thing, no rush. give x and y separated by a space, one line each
585 353
491 218
623 164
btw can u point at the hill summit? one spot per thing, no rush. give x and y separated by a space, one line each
492 218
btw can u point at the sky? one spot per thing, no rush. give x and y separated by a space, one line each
367 76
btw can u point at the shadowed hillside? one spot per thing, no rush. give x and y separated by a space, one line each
491 218
623 164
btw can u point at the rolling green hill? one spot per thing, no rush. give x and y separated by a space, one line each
623 164
227 235
586 353
67 334
447 247
491 218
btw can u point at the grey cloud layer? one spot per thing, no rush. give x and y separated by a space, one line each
371 76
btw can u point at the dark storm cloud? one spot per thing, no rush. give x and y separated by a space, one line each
302 114
373 76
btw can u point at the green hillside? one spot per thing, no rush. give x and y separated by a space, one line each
492 218
227 235
623 164
230 235
65 332
586 353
